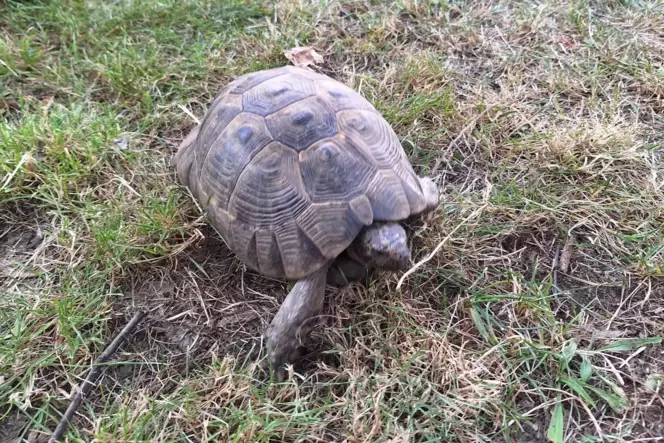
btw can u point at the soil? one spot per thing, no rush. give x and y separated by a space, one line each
204 302
18 240
20 237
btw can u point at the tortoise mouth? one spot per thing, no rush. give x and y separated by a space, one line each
400 260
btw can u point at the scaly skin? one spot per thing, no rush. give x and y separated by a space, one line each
381 245
294 321
431 194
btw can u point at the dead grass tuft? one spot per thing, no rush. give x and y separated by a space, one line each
539 316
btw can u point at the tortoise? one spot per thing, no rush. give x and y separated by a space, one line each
304 180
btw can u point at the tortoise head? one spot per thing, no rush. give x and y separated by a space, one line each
382 245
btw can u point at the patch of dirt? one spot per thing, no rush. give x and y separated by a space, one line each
22 243
201 306
21 239
614 306
15 246
644 386
203 303
18 244
617 309
10 109
12 428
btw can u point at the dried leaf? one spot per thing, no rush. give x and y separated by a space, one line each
303 56
47 102
654 382
565 256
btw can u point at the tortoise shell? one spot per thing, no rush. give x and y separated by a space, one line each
289 165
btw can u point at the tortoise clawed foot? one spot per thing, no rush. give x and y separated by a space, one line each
294 321
280 355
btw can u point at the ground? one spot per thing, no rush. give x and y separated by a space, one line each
539 316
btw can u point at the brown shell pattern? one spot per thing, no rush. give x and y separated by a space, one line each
289 165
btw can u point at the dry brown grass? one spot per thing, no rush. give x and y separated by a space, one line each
540 315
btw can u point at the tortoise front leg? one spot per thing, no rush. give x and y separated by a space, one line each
344 270
294 321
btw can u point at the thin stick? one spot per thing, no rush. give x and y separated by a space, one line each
475 213
190 114
92 376
554 266
440 245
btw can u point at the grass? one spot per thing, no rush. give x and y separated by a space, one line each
541 316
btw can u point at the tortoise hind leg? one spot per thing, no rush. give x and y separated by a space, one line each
294 321
184 157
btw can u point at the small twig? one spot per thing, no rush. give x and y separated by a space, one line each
440 245
554 266
190 114
485 199
92 376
